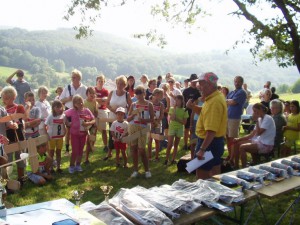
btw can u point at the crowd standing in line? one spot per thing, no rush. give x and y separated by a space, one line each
202 112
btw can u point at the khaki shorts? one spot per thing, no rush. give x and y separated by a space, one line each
233 127
141 141
56 143
102 125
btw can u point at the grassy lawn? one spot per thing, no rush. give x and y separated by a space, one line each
100 172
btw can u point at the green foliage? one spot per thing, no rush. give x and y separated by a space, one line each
296 87
281 28
283 88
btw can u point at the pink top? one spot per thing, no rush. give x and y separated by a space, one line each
77 117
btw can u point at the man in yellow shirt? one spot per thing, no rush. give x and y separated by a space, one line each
211 126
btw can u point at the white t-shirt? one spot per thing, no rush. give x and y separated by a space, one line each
268 136
56 126
120 129
81 90
117 101
175 92
45 108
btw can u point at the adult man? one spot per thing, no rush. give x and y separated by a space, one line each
66 97
235 102
193 93
211 126
20 85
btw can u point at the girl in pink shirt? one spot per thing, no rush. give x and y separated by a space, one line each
80 119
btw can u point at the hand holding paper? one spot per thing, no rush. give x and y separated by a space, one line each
196 163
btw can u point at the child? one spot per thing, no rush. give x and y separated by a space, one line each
92 105
291 131
81 118
102 95
56 129
119 129
32 115
156 126
45 162
138 121
44 106
178 117
58 92
8 96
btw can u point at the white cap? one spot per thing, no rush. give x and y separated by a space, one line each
120 109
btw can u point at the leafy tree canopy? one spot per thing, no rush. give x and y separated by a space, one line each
282 28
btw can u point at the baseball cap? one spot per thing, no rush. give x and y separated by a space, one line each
120 109
209 77
193 77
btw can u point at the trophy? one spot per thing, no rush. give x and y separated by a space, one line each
77 195
106 190
3 183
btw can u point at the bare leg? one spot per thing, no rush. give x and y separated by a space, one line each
149 148
135 157
144 158
124 155
170 145
157 147
244 148
176 143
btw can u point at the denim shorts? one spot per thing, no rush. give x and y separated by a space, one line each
217 149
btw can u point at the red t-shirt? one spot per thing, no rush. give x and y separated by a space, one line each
101 94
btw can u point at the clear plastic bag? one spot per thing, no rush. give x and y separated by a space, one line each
109 215
166 204
199 194
189 204
137 209
226 194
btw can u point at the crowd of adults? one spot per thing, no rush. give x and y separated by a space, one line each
213 116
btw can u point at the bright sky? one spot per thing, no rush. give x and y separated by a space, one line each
219 31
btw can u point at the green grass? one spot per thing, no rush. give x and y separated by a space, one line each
101 172
285 97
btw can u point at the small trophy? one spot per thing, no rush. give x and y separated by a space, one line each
3 183
106 190
77 195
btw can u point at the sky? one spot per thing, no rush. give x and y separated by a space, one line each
218 31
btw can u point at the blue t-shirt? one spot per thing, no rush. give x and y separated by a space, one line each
239 96
22 87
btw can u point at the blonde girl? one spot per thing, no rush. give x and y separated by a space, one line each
56 129
178 118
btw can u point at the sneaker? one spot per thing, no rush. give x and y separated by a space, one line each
78 168
134 174
105 149
71 169
148 174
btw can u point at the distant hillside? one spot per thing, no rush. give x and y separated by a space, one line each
43 51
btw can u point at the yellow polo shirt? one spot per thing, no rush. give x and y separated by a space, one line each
213 116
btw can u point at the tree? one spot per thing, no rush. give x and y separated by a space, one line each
282 28
296 87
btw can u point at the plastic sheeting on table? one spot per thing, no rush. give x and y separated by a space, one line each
226 194
189 206
138 209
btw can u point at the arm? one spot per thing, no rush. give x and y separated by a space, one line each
108 103
168 104
151 113
9 79
130 115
